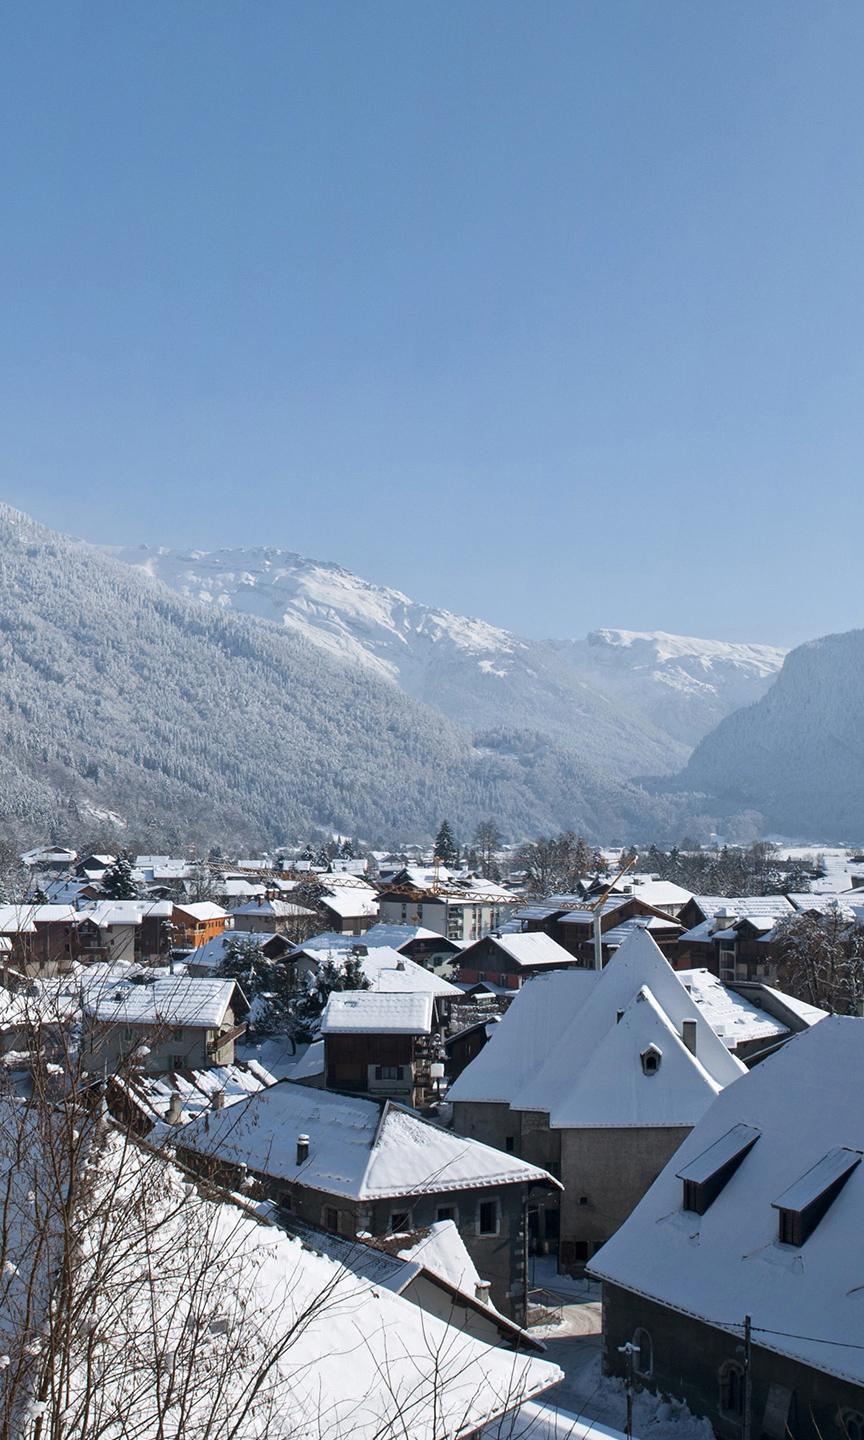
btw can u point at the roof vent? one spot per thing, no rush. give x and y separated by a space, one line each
302 1149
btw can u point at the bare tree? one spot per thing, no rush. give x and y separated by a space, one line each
821 959
138 1303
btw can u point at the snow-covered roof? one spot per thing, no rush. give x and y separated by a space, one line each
369 1012
731 1016
386 969
744 906
398 936
202 910
172 1000
524 1036
661 893
125 912
197 1089
810 1014
213 951
804 1302
586 917
614 1090
347 903
358 1148
529 948
16 920
275 909
637 963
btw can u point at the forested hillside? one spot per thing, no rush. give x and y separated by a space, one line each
796 758
118 695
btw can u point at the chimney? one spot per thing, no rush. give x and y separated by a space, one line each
175 1108
688 1034
400 964
218 1099
302 1149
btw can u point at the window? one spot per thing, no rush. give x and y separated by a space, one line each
726 958
731 1397
651 1060
449 1212
643 1359
509 1144
487 1217
176 1062
177 1035
400 1221
330 1219
388 1072
128 1033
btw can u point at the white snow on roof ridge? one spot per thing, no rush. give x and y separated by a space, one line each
638 962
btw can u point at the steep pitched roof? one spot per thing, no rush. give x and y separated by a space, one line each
613 1089
526 1033
637 963
358 1148
728 1262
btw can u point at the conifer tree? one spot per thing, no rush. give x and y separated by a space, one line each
117 882
445 845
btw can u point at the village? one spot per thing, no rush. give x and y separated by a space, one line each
590 1146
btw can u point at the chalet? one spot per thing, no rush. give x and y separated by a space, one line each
354 1165
208 959
734 940
758 1215
465 1045
49 857
461 912
170 1023
386 971
379 1044
508 959
196 922
124 930
572 924
349 909
146 1101
41 940
752 1019
269 916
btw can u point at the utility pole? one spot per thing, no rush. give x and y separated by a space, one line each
748 1380
629 1350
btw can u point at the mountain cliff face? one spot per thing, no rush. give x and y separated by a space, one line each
186 720
630 702
797 756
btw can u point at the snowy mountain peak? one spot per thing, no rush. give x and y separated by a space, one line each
666 691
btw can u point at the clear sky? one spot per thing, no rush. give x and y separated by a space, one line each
548 312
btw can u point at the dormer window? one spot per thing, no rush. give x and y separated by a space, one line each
706 1176
801 1207
651 1060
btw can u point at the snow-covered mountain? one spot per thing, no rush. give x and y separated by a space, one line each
188 721
684 685
638 700
793 764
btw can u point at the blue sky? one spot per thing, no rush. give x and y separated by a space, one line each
546 312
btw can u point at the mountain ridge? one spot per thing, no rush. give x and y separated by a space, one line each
646 697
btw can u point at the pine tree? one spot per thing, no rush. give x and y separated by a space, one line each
446 848
117 882
347 851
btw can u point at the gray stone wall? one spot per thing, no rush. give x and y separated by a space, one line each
688 1357
605 1173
